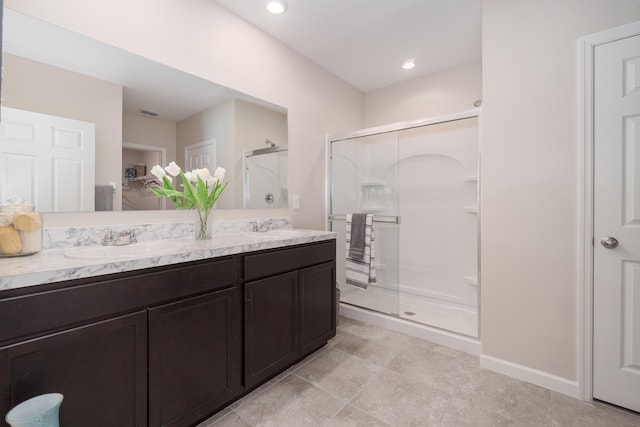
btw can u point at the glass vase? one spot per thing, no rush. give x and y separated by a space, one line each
203 227
39 411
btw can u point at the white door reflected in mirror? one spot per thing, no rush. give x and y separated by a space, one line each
47 161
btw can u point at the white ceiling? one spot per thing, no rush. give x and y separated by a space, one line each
364 42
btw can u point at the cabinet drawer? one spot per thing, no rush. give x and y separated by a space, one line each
283 260
87 299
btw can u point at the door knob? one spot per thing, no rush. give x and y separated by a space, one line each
609 242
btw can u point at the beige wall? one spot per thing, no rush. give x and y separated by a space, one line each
215 123
447 91
208 41
147 131
37 87
529 175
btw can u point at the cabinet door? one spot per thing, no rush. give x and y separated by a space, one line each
317 306
99 368
194 357
271 326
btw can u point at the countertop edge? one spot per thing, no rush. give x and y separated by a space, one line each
53 266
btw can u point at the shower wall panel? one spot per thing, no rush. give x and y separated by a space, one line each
438 169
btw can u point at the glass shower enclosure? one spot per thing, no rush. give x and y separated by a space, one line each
266 181
420 183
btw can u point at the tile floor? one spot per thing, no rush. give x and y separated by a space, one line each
369 376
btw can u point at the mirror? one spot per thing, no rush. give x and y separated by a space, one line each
142 111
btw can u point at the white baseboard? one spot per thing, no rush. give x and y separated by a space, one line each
534 376
434 335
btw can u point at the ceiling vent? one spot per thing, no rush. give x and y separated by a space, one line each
148 113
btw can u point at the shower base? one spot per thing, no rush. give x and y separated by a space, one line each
439 314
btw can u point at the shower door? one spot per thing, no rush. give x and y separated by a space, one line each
364 178
421 184
438 201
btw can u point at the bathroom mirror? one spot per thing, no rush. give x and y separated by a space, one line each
136 105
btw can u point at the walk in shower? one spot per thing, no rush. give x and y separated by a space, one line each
420 183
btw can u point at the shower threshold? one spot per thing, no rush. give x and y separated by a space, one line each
438 314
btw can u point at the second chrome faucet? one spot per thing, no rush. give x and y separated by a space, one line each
124 237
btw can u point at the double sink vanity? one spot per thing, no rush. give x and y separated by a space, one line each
165 332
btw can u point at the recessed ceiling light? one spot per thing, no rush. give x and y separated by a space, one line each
409 64
276 7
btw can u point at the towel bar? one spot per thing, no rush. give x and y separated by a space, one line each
376 218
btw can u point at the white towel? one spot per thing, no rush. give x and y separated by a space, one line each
361 271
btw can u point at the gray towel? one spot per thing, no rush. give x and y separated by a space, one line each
361 271
358 233
104 198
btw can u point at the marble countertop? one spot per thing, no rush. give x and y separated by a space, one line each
54 266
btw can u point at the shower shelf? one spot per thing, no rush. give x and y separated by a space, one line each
470 178
471 209
471 280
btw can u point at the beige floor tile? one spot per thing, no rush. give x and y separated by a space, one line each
351 416
570 412
370 376
363 330
309 358
259 390
231 419
338 373
461 414
400 401
290 402
439 369
516 401
379 352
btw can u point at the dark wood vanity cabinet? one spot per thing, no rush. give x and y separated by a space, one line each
149 348
194 357
317 322
164 346
100 368
290 312
271 326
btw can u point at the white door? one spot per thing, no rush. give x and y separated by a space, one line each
47 161
201 155
616 328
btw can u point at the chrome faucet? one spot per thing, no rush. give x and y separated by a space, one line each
124 237
108 238
262 226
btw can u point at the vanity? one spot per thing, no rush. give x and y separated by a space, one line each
165 340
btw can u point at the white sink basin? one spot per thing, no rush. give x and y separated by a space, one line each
276 234
135 250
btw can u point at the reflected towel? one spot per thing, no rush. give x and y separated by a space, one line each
104 197
360 270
